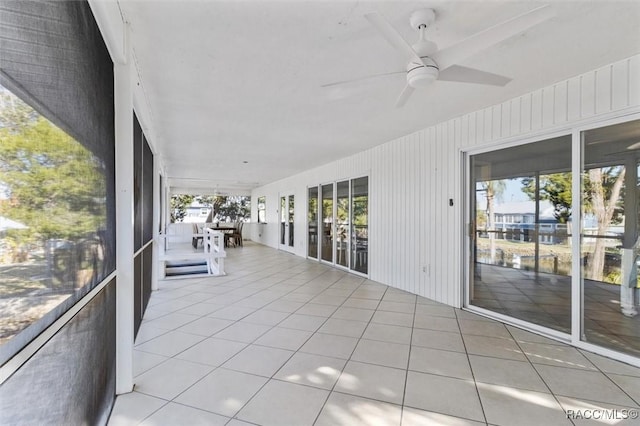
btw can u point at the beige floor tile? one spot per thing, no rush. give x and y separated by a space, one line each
382 353
508 406
169 379
515 374
349 410
272 405
303 322
558 355
629 384
317 310
583 384
355 302
223 392
243 332
388 333
205 326
493 347
372 381
312 370
330 345
176 414
259 360
436 323
170 344
131 408
386 305
609 365
415 417
172 321
437 311
437 340
444 395
212 351
265 317
355 314
393 318
143 361
284 338
342 327
484 328
232 313
443 363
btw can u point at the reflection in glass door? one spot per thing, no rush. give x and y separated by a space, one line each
609 244
342 223
287 222
326 242
312 212
360 224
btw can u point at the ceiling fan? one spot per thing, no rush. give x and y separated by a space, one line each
427 63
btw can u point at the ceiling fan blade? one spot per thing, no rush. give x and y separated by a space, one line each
392 36
492 35
361 79
471 75
404 96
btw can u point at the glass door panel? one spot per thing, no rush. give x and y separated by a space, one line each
291 216
520 247
326 242
342 223
609 239
312 219
283 219
360 224
286 222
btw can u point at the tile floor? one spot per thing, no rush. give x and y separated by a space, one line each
286 341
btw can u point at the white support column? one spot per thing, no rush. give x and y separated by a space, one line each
577 325
123 74
629 251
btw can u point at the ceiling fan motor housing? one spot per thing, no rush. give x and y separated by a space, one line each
422 75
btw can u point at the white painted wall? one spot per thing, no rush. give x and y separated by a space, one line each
411 179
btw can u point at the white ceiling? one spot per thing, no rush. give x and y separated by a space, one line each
235 81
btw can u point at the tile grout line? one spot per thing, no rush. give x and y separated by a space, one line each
348 359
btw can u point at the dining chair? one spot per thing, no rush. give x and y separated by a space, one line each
237 234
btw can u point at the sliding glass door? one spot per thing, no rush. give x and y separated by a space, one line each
554 237
521 212
337 223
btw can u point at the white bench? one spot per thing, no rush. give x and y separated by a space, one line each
212 253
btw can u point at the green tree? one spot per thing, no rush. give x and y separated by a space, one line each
235 208
555 188
179 204
602 186
54 185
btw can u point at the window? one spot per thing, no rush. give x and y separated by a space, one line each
53 216
262 209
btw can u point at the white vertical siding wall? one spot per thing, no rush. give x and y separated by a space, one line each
415 237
